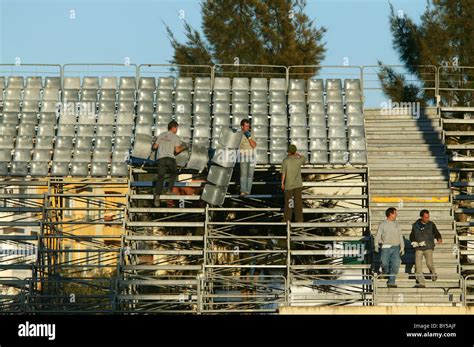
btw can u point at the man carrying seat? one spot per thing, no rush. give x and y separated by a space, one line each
168 145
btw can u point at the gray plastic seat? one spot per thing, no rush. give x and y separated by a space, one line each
258 96
260 120
83 143
335 120
262 156
201 107
146 95
221 107
213 195
277 96
358 157
61 159
107 106
49 106
202 131
70 95
90 82
278 132
51 95
103 142
9 118
85 130
126 106
126 95
125 118
40 164
26 130
333 84
354 108
13 94
200 141
316 96
30 118
337 132
260 131
357 144
199 158
240 96
351 84
164 95
278 144
298 132
24 142
240 83
123 143
72 83
316 108
100 162
353 96
184 119
202 83
240 108
35 82
47 118
66 130
164 107
144 118
355 131
334 96
277 156
147 83
108 95
142 147
104 130
52 83
6 142
296 96
165 83
89 95
230 138
184 83
5 158
64 142
202 95
339 157
279 120
319 157
11 106
184 132
108 83
144 129
8 130
201 119
301 145
225 157
222 119
123 130
317 120
222 83
318 144
80 162
220 176
317 132
334 108
337 144
86 119
298 120
183 95
145 107
128 83
44 143
315 84
297 84
15 82
163 118
237 118
31 94
19 164
106 118
276 108
221 95
182 107
259 83
355 120
160 128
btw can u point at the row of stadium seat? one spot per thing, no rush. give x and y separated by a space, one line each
99 127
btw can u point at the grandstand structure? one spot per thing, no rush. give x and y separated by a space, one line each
79 232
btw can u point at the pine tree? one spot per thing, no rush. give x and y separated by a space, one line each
444 37
264 32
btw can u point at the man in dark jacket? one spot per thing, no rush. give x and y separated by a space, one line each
423 234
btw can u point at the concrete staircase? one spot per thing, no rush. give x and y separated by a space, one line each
408 170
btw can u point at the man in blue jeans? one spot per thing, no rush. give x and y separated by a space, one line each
247 158
390 238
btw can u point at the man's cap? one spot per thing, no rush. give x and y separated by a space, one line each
292 149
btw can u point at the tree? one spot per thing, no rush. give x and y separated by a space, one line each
444 37
264 32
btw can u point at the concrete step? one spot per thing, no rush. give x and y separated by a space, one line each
408 128
417 304
405 142
398 113
410 192
418 298
394 172
402 136
401 146
404 282
389 164
406 159
409 186
413 204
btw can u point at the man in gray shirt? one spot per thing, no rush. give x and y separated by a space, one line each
389 236
168 145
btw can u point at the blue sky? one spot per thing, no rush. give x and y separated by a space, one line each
110 31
